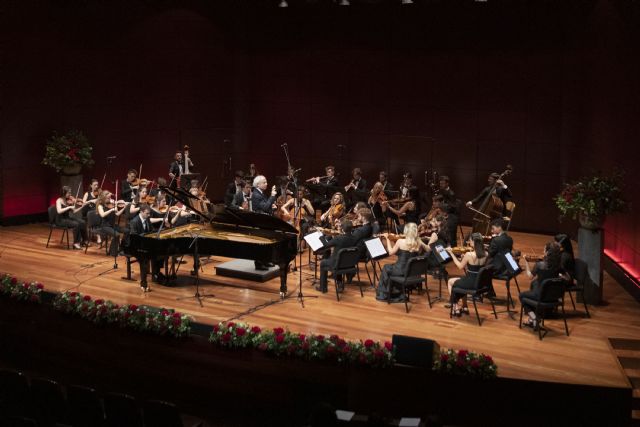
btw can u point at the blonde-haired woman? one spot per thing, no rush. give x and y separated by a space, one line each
406 248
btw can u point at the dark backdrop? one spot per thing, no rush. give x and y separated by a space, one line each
462 88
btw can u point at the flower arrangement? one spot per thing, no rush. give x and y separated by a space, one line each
593 197
282 342
26 291
464 362
139 318
69 150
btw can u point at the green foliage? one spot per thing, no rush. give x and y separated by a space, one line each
464 362
596 196
68 150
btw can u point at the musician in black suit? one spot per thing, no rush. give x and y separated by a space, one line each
358 183
501 243
383 178
327 187
362 233
176 169
141 224
451 206
234 188
242 200
129 191
501 190
345 240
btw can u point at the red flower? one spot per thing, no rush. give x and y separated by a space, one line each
346 349
331 349
305 345
334 338
388 345
99 301
86 298
444 357
165 312
320 337
34 298
278 331
475 364
368 343
255 330
142 312
230 325
462 354
73 294
39 286
263 346
240 331
14 280
379 354
176 315
176 321
133 307
279 339
341 343
302 337
488 359
226 337
216 328
25 285
72 301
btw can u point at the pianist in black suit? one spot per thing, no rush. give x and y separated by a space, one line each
141 224
501 243
234 188
261 202
345 240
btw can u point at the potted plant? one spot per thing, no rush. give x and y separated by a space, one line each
592 198
68 153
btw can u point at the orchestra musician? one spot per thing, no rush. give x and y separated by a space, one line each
471 263
383 178
242 200
357 183
362 233
300 210
90 198
548 268
345 240
567 259
253 172
261 202
327 184
234 188
406 248
176 169
65 204
451 206
501 190
157 191
377 202
108 210
140 225
409 197
500 244
129 190
335 211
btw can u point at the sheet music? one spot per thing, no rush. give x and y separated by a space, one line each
376 248
314 241
512 262
442 253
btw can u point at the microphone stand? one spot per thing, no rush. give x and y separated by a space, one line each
198 296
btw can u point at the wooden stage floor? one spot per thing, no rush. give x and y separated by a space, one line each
585 357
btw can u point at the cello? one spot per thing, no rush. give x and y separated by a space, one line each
490 208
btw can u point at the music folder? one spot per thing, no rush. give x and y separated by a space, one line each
510 263
440 253
316 240
375 248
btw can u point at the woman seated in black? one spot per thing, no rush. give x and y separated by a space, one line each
406 248
65 204
548 268
567 260
473 261
108 211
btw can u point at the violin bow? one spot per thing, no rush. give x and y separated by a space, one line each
103 178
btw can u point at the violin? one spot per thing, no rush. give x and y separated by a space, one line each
328 231
461 250
140 181
533 258
148 199
73 201
335 212
163 209
391 236
119 204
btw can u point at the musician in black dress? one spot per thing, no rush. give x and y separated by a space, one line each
65 205
129 191
90 198
451 206
108 211
471 263
345 240
548 268
501 190
567 259
234 188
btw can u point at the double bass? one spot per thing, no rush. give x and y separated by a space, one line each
490 208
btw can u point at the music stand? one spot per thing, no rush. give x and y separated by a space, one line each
196 256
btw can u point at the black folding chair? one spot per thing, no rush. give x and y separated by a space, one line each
414 275
48 402
15 398
121 410
164 414
53 213
93 228
482 287
551 296
346 263
577 284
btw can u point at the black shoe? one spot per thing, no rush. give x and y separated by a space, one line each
159 278
349 279
320 289
340 286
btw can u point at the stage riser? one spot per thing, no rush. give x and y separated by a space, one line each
243 387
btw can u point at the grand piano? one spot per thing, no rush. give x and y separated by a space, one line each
227 232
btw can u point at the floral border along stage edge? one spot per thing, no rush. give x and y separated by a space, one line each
278 342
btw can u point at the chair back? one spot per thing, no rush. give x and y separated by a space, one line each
121 410
93 219
14 393
581 272
87 408
48 400
161 414
484 278
416 267
347 258
53 212
552 290
375 227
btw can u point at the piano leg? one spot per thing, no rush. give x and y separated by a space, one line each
284 268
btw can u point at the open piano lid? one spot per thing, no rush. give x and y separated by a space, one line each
225 215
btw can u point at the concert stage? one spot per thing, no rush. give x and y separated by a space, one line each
586 357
